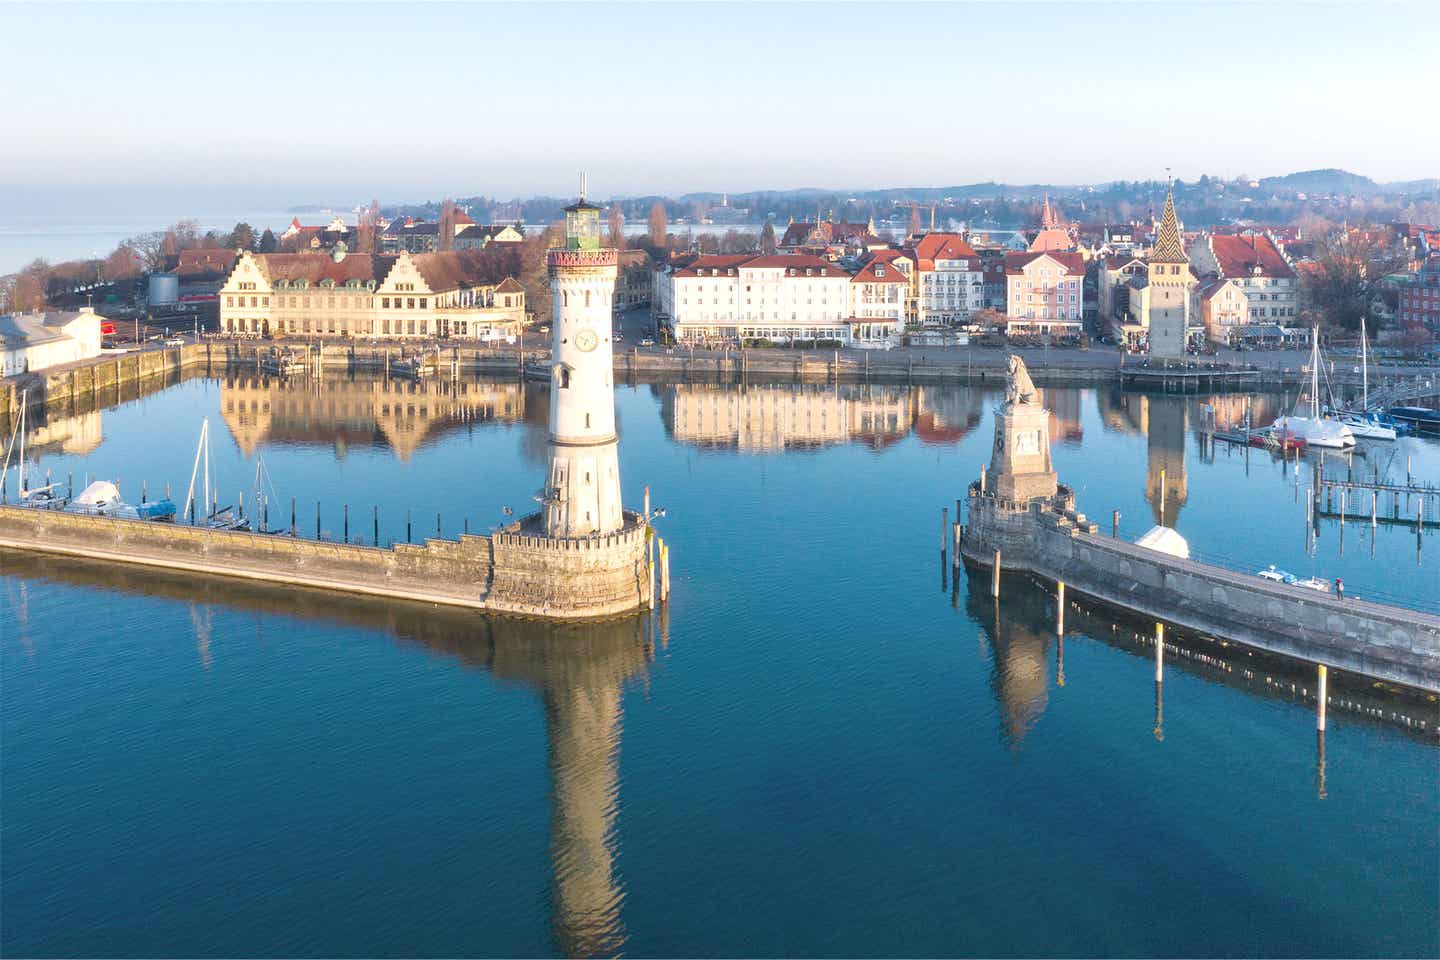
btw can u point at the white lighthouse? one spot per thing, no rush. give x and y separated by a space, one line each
582 494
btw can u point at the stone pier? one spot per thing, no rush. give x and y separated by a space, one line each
1032 521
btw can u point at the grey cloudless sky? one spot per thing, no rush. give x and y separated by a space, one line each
331 103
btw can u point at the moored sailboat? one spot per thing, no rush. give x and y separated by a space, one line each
1313 428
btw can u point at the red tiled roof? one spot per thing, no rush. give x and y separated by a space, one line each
799 261
721 262
1073 263
209 260
453 269
1238 256
942 246
866 274
315 267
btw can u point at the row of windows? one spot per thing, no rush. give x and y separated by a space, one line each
386 303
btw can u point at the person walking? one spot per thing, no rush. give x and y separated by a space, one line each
1339 588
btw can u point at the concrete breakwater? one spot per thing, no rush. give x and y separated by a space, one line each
1050 541
509 572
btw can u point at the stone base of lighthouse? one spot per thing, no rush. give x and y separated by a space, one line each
570 577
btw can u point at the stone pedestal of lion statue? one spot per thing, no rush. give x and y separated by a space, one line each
1020 467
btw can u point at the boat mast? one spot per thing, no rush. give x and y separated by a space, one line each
1364 369
1315 373
190 494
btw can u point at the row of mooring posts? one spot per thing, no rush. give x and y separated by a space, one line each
952 537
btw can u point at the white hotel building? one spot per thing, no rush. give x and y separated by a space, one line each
781 298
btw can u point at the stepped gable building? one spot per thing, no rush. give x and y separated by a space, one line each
452 295
1043 293
949 280
1256 263
1165 305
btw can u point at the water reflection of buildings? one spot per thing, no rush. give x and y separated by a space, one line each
397 413
1020 667
1064 406
1163 421
78 434
579 672
774 417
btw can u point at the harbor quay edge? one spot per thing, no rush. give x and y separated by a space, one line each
509 572
1047 539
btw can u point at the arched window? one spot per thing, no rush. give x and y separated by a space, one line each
565 297
587 298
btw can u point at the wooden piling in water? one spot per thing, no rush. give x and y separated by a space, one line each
1115 524
1159 652
346 533
375 521
944 530
1060 608
1323 684
292 517
995 576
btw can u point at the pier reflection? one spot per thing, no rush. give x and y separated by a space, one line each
1020 631
578 671
345 412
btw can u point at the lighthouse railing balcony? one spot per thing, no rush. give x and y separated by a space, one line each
562 257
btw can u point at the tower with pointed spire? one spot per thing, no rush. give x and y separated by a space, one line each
1167 292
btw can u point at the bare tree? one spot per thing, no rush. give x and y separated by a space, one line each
446 238
767 238
125 262
617 227
28 291
658 224
151 248
1350 270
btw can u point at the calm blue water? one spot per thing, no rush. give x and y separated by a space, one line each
818 751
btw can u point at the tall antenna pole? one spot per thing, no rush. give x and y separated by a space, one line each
582 185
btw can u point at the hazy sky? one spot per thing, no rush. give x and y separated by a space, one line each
270 103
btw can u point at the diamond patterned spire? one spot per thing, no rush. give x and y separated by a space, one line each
1169 248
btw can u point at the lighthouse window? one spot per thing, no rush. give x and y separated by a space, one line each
587 426
587 298
564 377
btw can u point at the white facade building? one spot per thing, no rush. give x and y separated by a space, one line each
950 280
35 341
784 297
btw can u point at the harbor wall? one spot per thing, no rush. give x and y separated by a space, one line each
593 576
509 572
1373 640
440 571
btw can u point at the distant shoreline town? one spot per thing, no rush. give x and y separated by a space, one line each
1103 265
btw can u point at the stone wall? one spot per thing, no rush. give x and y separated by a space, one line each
440 571
1369 639
574 577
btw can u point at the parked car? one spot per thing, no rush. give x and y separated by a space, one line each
175 342
647 342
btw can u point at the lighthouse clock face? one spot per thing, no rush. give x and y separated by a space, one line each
586 339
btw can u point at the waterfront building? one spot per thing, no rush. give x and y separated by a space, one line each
1043 293
781 298
582 492
949 280
1256 263
1166 300
1221 307
30 342
1420 296
451 295
1112 290
878 294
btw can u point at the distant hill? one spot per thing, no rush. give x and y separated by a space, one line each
1329 181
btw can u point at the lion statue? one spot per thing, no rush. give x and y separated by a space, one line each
1021 389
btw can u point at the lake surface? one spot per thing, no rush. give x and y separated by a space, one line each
822 747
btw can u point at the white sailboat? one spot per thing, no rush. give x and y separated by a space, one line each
1314 429
1360 422
216 516
47 497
